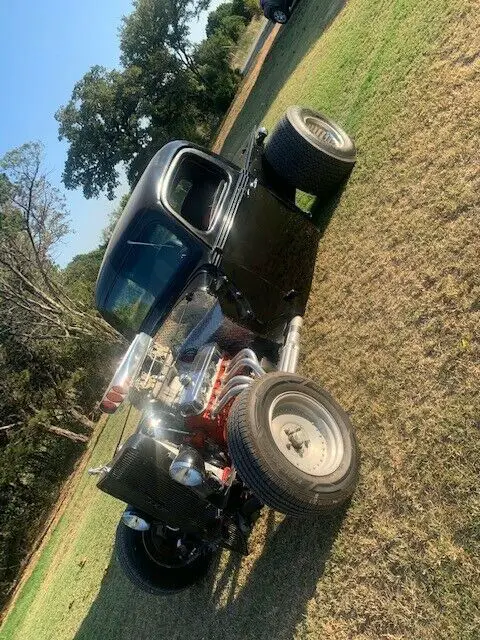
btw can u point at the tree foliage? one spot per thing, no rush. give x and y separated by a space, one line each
33 221
166 88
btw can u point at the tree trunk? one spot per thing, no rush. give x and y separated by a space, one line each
81 419
65 433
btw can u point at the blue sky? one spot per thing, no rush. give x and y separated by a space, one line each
45 47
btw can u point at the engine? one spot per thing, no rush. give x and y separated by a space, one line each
176 468
193 399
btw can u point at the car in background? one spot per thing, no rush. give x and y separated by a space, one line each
277 10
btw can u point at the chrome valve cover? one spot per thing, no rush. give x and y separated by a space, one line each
198 382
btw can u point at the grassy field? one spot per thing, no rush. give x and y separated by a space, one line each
391 330
74 559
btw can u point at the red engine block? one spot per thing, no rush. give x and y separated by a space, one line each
206 425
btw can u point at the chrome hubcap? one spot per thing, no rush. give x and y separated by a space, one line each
280 16
306 433
323 131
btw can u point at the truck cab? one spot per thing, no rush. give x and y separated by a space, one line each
196 220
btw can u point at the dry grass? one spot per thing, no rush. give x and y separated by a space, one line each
391 330
246 41
244 91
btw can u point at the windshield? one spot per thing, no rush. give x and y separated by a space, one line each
153 259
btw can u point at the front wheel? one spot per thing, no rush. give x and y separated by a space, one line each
292 445
310 151
159 563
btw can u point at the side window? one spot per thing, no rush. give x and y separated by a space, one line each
195 189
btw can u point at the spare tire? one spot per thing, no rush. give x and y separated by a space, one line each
292 445
310 151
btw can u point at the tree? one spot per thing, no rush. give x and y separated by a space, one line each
41 384
213 56
156 25
216 17
105 124
36 306
165 89
80 276
55 353
113 218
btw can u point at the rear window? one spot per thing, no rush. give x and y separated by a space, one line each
195 189
154 260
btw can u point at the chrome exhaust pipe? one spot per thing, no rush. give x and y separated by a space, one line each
244 363
243 353
231 393
291 347
233 382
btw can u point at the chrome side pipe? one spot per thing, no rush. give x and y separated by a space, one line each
291 347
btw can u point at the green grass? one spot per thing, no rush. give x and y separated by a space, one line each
391 330
72 564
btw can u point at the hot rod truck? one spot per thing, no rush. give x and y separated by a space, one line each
208 272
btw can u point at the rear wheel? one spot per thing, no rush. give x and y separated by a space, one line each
279 16
310 151
293 445
276 11
158 563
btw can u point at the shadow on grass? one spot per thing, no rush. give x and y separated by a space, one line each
322 209
309 20
269 603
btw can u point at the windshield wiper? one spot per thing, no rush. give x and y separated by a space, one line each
146 244
166 245
179 248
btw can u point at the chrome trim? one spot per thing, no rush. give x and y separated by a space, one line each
194 396
162 189
131 363
291 347
228 218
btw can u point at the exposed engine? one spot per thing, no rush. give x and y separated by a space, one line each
201 392
176 468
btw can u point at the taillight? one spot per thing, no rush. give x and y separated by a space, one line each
126 372
113 398
107 406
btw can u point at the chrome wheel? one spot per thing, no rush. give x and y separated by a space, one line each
280 16
324 131
306 433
